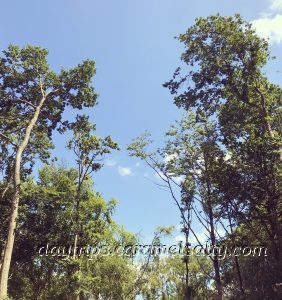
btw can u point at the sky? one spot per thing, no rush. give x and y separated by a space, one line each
135 51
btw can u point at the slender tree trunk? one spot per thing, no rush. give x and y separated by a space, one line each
187 288
4 275
77 229
216 263
237 265
75 245
212 233
236 261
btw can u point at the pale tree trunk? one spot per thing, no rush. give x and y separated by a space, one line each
4 275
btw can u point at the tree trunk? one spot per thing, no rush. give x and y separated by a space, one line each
212 233
215 258
4 275
4 244
187 288
216 263
236 261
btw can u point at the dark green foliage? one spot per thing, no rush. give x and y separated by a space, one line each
25 77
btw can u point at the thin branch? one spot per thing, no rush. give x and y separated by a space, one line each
7 139
200 220
26 102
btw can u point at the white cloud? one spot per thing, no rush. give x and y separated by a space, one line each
124 171
269 25
269 28
137 165
110 163
276 5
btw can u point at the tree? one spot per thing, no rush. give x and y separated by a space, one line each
89 150
225 82
33 99
46 220
165 277
188 160
230 152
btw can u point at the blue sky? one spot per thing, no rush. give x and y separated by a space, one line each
135 51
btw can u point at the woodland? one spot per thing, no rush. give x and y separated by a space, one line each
221 164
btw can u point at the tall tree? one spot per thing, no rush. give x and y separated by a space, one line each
188 161
33 99
223 79
89 151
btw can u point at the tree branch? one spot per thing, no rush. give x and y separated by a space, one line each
7 139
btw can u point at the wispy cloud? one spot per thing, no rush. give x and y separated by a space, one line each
276 5
124 171
269 26
110 163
